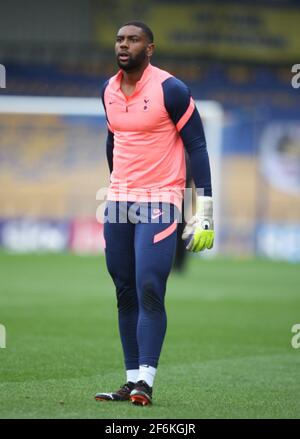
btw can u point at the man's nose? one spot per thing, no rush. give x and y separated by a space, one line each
123 44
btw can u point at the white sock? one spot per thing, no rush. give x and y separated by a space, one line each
147 373
132 375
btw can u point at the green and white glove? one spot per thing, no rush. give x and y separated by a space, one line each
199 232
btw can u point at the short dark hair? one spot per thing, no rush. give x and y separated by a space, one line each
146 29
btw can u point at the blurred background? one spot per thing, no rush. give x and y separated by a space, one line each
232 319
236 57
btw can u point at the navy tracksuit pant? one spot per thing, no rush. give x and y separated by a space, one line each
140 246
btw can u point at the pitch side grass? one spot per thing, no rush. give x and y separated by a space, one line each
227 351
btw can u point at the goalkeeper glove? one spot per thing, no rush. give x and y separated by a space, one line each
198 234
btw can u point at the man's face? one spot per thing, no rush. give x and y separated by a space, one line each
132 48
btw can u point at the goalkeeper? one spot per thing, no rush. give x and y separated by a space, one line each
151 118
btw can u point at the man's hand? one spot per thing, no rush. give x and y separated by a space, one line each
198 234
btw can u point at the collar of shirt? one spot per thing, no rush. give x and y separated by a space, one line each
140 83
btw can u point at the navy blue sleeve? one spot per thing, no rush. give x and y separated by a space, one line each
177 97
110 149
110 135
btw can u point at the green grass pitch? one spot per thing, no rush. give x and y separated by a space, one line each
227 351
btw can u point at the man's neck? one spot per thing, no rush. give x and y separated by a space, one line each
131 78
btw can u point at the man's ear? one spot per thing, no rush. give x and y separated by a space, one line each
150 49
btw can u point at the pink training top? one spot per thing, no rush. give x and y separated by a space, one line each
148 152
